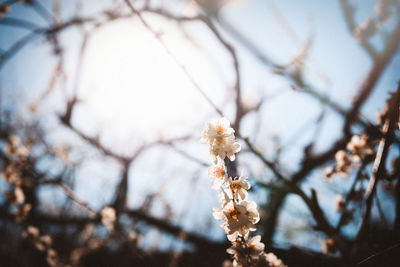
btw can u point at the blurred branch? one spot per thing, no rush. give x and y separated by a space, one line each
240 111
277 68
381 212
37 32
271 165
392 118
186 154
349 15
70 193
312 161
312 203
57 72
380 61
16 22
79 66
349 196
160 224
121 192
15 48
183 67
175 230
204 245
42 11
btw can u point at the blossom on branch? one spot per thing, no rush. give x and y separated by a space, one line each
343 162
359 147
239 187
108 217
220 135
218 174
239 216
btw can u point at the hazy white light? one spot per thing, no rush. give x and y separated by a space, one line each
133 86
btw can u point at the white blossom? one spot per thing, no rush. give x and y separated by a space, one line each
273 260
224 146
16 147
256 246
218 174
239 187
108 217
359 147
366 30
328 172
343 162
220 136
31 231
19 195
216 128
239 218
339 202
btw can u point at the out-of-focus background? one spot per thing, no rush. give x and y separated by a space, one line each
103 104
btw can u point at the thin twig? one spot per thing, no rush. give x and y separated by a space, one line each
169 52
70 193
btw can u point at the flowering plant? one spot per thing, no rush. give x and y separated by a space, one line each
239 215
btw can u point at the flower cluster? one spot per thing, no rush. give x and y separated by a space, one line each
384 10
17 153
357 150
366 30
42 243
239 215
15 147
108 217
219 134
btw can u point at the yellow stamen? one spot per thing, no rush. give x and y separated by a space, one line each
220 172
219 129
235 186
219 140
234 213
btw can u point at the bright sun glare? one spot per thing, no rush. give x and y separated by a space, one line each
133 85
